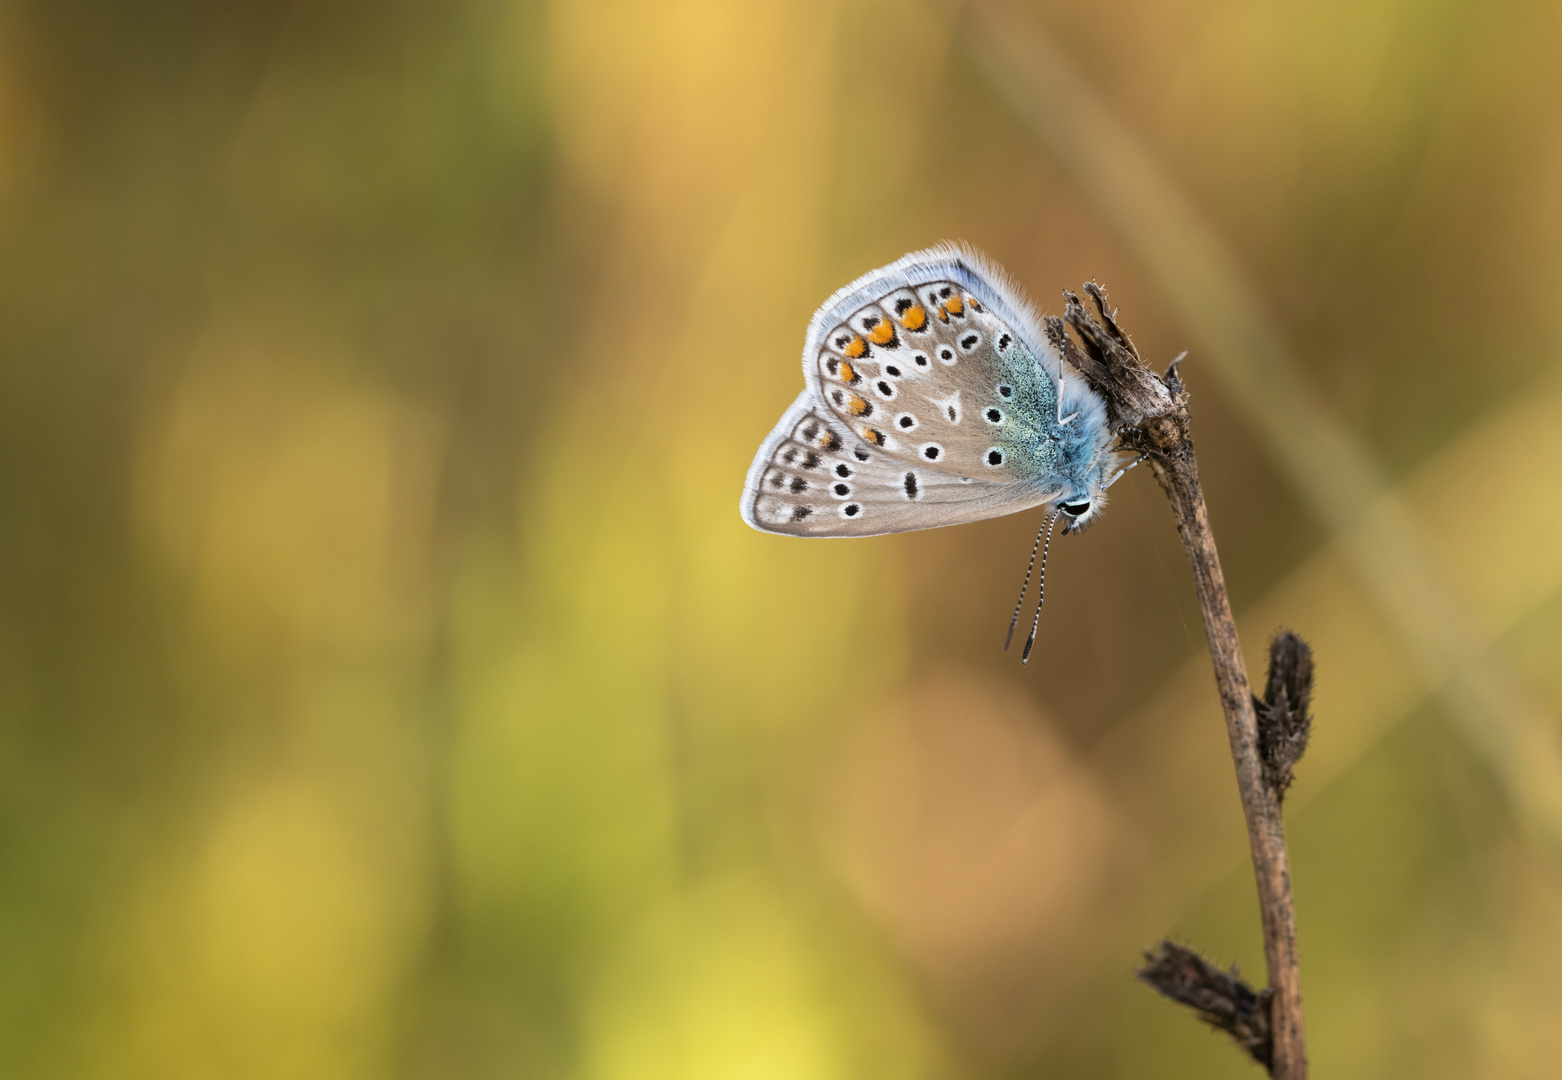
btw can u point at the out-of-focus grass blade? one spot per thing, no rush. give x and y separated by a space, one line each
1335 474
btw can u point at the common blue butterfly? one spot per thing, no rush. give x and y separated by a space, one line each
933 398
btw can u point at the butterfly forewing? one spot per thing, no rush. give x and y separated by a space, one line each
814 479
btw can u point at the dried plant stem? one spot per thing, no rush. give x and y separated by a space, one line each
1149 413
1178 473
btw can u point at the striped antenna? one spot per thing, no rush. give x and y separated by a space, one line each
1026 586
1041 590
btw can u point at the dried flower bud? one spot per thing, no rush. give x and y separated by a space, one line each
1284 723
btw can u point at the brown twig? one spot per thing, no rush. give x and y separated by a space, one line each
1222 999
1149 415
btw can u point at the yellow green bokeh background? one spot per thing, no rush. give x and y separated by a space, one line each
389 688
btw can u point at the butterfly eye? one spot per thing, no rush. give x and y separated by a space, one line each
1075 509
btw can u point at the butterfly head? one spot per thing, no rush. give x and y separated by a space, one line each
1079 511
1082 505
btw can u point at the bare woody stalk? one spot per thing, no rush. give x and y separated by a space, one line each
1149 414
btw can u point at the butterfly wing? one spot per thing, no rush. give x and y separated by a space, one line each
812 477
930 381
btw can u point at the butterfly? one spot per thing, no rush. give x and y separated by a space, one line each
932 398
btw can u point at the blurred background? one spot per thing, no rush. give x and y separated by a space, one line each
389 688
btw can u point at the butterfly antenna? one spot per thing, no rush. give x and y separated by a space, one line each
1041 590
1025 587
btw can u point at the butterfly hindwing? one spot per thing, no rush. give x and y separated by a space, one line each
932 376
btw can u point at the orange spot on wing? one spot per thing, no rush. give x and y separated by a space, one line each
915 317
856 348
873 435
954 305
847 374
883 333
857 406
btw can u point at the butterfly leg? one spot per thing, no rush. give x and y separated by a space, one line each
1071 417
1118 475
